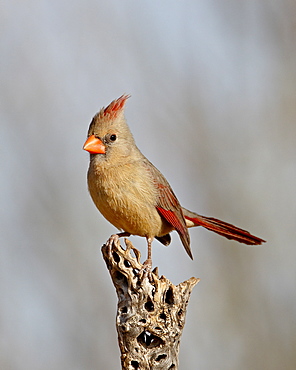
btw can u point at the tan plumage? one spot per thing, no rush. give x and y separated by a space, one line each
132 194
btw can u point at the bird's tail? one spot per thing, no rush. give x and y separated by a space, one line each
220 227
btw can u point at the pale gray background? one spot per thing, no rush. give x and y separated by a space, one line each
213 106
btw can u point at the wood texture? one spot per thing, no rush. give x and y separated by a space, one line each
150 313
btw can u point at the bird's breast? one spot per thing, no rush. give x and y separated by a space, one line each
126 197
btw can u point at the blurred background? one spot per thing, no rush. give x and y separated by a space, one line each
213 106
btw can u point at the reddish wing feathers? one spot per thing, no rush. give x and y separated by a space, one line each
169 207
173 219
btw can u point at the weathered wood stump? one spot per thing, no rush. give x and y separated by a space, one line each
150 312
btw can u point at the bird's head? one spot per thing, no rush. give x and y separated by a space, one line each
109 135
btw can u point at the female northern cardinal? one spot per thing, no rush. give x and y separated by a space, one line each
132 194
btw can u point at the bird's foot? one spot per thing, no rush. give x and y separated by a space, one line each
146 270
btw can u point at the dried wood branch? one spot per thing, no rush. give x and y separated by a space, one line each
150 314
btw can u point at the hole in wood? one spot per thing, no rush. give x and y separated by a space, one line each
149 306
162 316
149 340
115 257
161 357
135 364
136 272
127 263
143 321
123 309
169 296
173 366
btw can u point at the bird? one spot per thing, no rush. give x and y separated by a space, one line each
133 195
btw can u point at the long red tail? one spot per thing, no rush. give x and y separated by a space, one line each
221 228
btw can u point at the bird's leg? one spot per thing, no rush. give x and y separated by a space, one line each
114 239
147 265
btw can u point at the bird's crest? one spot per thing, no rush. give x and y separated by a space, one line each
115 107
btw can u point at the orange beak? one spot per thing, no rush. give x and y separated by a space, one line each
94 145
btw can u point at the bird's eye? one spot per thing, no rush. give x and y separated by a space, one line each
113 137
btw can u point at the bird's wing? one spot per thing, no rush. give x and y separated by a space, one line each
168 205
